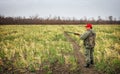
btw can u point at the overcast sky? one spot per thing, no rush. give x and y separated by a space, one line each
62 8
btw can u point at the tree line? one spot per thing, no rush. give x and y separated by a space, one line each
56 20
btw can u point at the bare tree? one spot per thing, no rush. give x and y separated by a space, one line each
111 19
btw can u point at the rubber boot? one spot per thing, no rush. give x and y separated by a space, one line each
87 65
92 62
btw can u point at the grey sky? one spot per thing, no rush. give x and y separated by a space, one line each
62 8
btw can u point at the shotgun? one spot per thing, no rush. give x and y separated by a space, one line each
72 33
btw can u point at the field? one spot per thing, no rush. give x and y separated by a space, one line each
45 50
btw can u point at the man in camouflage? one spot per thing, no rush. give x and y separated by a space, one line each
89 42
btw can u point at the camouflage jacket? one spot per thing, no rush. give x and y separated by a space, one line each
86 38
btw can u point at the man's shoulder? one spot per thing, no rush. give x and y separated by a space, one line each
91 30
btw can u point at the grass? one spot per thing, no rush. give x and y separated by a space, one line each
36 46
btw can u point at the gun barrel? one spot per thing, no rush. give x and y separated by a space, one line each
69 32
72 33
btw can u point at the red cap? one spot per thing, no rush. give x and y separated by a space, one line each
89 25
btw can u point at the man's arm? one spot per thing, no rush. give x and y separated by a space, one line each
85 35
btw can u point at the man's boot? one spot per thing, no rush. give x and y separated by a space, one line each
92 62
87 65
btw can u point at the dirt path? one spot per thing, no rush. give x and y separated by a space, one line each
80 58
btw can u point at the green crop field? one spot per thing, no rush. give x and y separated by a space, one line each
44 48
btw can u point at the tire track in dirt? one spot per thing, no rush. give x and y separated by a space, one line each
79 57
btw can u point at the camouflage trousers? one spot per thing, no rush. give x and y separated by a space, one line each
89 55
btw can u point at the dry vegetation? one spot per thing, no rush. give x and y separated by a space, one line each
44 49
